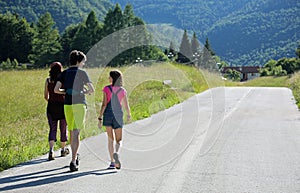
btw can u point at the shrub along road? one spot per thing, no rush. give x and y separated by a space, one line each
222 140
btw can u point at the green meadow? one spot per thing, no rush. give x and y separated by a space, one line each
23 123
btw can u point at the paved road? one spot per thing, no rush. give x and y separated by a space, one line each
223 140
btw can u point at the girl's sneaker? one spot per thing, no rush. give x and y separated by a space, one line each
117 161
111 166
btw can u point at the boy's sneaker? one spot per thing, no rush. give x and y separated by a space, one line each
64 152
51 156
117 161
73 167
77 159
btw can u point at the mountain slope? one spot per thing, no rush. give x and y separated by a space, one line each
258 32
243 32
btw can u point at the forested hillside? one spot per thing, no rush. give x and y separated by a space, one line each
243 32
39 43
64 12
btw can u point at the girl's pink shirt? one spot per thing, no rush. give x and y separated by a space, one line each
108 94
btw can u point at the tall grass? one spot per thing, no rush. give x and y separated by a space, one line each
294 84
23 123
269 81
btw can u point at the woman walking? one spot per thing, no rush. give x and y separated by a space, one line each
55 111
111 113
74 80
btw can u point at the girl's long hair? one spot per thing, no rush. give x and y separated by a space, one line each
117 77
55 70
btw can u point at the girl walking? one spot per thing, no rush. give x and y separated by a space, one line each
55 111
111 115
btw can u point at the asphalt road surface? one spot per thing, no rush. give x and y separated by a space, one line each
224 140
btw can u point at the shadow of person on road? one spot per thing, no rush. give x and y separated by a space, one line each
47 178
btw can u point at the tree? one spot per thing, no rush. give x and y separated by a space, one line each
88 33
290 65
66 41
298 51
195 45
128 16
185 51
233 75
273 68
16 38
46 45
114 20
208 47
125 46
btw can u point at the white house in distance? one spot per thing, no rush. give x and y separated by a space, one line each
247 72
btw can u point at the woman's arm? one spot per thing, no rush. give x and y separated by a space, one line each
127 108
46 92
103 107
57 88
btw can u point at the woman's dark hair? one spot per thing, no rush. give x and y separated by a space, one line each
117 77
76 56
55 70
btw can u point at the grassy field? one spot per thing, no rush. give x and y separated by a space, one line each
23 123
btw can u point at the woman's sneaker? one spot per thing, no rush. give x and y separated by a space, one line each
51 156
117 161
64 152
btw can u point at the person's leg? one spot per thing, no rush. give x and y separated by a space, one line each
118 136
110 137
75 142
52 135
63 137
69 114
79 111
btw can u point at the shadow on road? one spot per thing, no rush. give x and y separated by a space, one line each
28 180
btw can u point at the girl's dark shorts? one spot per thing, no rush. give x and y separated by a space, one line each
113 120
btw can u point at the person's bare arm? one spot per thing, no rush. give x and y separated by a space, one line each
127 108
57 88
46 92
103 107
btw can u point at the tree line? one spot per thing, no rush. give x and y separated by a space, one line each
41 43
191 52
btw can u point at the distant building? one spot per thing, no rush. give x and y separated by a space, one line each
247 72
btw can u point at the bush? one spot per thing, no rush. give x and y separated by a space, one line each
11 65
